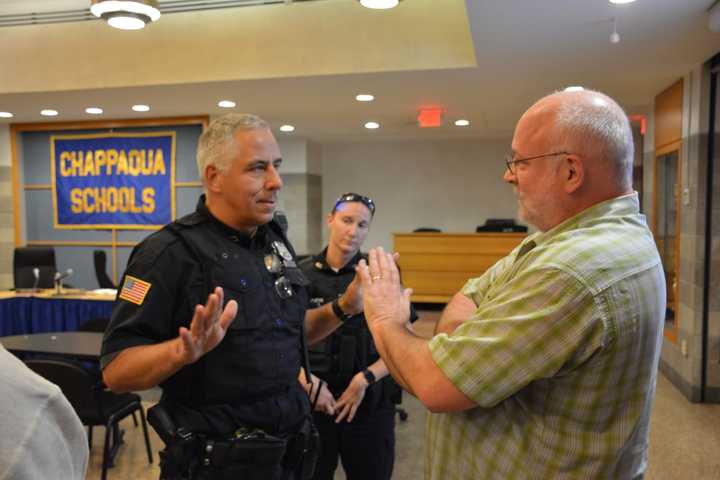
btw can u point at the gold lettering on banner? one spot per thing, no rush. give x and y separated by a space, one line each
111 199
96 163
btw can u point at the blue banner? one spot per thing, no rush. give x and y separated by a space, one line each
113 180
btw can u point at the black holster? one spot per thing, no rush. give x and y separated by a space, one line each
250 454
303 451
178 458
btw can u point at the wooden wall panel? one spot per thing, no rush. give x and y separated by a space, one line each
437 265
668 115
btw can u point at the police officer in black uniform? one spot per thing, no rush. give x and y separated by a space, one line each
212 308
355 397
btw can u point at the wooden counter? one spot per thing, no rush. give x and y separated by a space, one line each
437 265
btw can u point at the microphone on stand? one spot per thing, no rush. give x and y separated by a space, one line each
59 277
36 274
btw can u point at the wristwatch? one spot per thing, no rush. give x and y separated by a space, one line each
338 311
369 376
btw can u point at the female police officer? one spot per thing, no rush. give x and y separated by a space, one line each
228 368
362 432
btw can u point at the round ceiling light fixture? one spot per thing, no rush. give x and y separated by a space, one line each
49 113
226 104
575 88
287 128
462 123
372 125
379 4
94 110
620 2
6 115
364 97
141 108
126 14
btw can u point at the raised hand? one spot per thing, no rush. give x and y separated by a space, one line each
207 327
351 301
384 298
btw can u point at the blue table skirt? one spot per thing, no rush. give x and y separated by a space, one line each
22 315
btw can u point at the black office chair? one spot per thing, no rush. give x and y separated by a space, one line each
93 404
501 225
25 259
100 260
427 229
97 325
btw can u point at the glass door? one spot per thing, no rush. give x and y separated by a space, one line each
667 228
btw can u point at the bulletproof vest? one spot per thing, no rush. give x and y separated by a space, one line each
260 354
344 353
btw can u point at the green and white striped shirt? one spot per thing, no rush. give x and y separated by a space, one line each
561 356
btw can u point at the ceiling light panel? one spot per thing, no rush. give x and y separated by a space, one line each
141 108
49 113
379 4
364 97
6 115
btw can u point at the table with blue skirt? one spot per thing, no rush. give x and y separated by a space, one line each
23 312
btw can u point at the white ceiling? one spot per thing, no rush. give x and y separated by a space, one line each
524 49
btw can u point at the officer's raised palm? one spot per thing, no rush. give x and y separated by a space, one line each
353 297
207 328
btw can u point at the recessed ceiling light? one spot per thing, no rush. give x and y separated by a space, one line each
364 97
372 125
226 104
574 89
379 4
94 110
287 128
141 108
6 115
619 2
49 113
462 123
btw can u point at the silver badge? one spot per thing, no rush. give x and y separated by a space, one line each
282 250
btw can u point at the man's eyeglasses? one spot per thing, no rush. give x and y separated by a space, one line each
355 197
510 161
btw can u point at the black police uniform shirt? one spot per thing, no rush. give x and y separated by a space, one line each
250 377
350 349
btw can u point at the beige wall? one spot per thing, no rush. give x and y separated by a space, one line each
307 39
453 185
7 242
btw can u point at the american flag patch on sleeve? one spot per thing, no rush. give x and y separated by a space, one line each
134 290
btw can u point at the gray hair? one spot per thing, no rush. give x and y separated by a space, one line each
593 124
217 143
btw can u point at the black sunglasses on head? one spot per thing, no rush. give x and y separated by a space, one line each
355 197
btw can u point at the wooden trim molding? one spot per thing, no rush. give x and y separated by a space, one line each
37 186
187 184
123 123
80 243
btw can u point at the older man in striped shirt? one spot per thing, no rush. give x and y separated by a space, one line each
545 366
